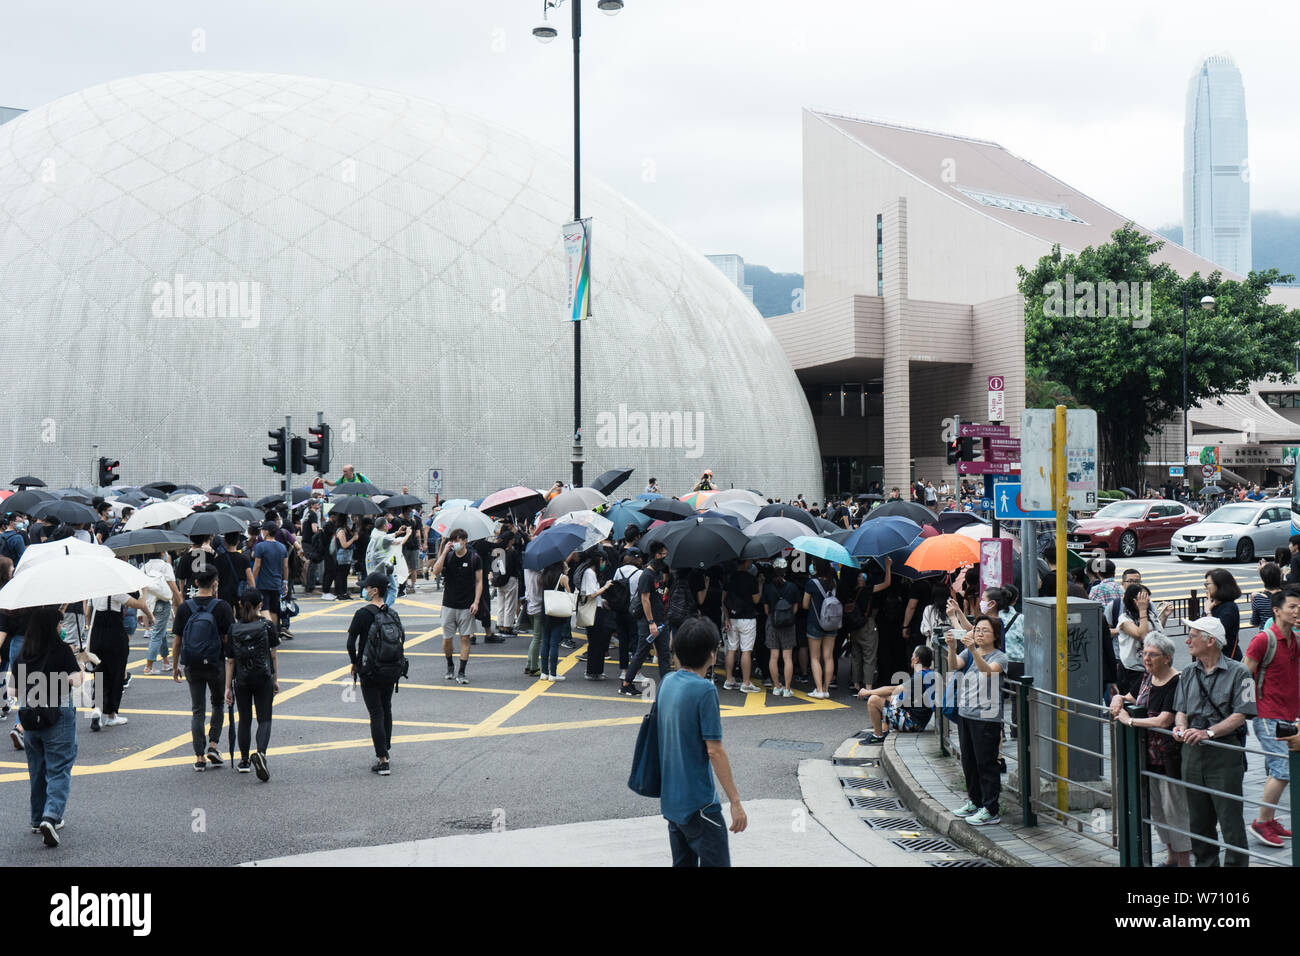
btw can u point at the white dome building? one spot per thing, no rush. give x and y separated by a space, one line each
188 257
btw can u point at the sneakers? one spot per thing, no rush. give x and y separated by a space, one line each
751 689
544 676
126 682
877 738
529 672
259 765
57 826
967 809
16 736
327 596
729 684
115 721
627 690
95 719
594 676
50 832
982 818
558 677
380 767
622 675
213 755
165 667
568 643
1280 830
494 639
451 674
1265 833
243 766
200 765
461 678
818 695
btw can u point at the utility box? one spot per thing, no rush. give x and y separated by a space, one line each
1085 629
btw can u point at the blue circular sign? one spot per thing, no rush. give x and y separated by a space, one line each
986 504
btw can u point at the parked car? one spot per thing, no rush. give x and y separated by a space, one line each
1127 527
1238 530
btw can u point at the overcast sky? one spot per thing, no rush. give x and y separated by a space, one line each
691 107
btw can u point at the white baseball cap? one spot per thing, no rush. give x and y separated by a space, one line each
1209 625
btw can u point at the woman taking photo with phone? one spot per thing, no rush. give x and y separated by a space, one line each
980 667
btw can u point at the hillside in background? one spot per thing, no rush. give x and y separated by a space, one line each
773 291
1274 241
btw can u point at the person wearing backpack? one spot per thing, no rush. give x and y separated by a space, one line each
780 599
620 598
376 647
825 615
650 609
12 542
252 678
202 636
1273 657
109 642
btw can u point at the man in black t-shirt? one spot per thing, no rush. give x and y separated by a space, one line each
377 695
462 570
203 677
740 625
650 609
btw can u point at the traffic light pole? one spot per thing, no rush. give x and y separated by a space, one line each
288 454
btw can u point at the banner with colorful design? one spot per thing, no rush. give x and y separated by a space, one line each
577 251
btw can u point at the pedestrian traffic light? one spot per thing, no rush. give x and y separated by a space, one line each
319 462
276 461
967 449
107 472
298 455
954 450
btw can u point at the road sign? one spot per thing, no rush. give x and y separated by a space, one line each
1175 471
987 468
997 398
1002 449
983 431
435 481
1080 453
1007 504
1210 472
986 504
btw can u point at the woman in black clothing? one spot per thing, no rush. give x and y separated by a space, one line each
1222 590
109 642
347 540
377 694
252 677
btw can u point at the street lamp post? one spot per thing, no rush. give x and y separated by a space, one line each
545 33
1207 305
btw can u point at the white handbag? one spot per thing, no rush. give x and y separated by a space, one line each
587 612
559 603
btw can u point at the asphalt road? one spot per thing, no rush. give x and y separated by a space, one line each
505 750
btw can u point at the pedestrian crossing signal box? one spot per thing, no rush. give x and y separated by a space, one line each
1085 629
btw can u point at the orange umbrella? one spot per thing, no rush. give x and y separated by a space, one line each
944 552
698 499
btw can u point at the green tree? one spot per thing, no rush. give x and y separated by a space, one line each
1128 366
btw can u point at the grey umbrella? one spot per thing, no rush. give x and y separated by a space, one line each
24 501
355 505
211 522
356 488
147 541
69 512
27 481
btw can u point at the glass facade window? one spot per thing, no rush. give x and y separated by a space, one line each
1282 399
880 254
1031 206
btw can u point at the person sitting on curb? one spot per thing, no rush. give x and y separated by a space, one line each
897 705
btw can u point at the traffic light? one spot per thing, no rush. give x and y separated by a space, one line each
297 455
967 449
107 472
276 461
954 450
319 462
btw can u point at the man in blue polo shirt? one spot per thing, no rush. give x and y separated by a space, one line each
690 741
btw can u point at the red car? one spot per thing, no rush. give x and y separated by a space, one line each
1127 527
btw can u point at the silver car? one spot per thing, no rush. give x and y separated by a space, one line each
1236 531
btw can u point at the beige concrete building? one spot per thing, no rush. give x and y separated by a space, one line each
911 243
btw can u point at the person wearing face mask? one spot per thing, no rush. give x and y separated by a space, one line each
650 607
12 542
461 569
980 704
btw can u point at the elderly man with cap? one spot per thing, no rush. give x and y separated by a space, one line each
1215 697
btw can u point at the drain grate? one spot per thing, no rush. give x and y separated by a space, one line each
866 783
960 863
893 823
925 845
876 803
856 761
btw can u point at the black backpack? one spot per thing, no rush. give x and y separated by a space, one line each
9 545
383 655
251 642
681 603
201 641
619 596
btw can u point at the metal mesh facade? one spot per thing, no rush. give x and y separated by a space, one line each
383 259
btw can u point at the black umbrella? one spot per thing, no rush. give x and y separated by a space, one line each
950 521
355 505
134 499
704 543
904 509
211 522
25 501
27 481
1128 491
611 480
299 495
826 527
159 489
402 501
1207 491
246 513
86 493
668 509
787 511
69 512
765 546
357 488
228 491
147 541
870 497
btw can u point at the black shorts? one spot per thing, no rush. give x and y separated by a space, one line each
270 601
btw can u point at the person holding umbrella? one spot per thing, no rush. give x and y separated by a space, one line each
109 642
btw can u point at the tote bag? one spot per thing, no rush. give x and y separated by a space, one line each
645 778
559 603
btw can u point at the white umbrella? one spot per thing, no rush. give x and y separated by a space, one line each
599 524
476 524
71 578
742 495
575 499
746 511
40 553
151 516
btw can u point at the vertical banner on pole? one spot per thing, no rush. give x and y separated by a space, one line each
577 252
995 563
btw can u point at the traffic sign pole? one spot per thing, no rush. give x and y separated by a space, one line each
1061 501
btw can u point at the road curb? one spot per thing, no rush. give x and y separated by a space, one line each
935 815
819 786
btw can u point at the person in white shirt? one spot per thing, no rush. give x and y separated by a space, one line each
533 607
1135 622
625 623
162 595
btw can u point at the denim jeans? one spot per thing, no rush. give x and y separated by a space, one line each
535 645
158 634
391 594
50 755
702 840
555 629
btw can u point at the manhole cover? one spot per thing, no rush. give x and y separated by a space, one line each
925 845
876 803
867 783
960 863
804 746
893 823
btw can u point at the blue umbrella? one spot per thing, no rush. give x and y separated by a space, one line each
825 549
648 496
624 513
554 544
874 539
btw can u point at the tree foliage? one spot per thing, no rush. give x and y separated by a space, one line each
1129 366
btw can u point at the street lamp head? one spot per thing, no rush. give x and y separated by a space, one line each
610 7
545 32
1207 303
